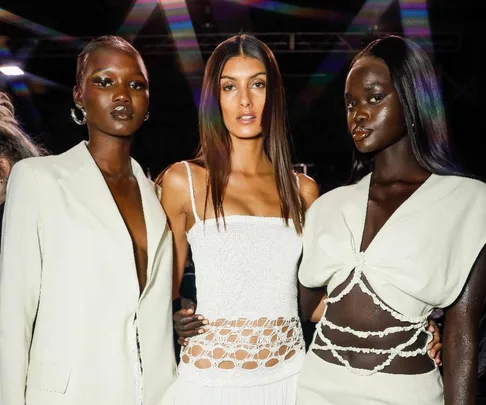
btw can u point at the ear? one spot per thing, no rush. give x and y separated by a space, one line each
5 167
77 96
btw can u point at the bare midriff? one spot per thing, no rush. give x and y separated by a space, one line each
358 311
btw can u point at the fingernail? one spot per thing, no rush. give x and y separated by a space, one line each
200 331
205 322
200 318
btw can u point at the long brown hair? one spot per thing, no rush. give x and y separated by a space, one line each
215 144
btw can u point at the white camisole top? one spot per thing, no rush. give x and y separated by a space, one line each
246 281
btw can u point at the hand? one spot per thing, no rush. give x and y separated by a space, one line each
188 324
435 346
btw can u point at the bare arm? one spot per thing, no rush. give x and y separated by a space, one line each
174 198
460 345
177 204
311 300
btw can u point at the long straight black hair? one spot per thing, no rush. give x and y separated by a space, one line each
416 84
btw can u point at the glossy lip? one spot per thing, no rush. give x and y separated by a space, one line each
360 133
246 121
122 112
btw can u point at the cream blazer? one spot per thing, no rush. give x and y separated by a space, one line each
70 307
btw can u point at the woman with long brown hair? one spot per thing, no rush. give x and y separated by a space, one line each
240 207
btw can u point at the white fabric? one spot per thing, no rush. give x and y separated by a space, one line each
419 260
282 392
323 383
246 281
67 263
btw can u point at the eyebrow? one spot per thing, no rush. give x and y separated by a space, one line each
109 70
373 84
251 77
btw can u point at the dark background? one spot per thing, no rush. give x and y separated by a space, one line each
313 41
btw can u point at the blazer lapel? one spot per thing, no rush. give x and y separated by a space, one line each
155 218
86 184
84 181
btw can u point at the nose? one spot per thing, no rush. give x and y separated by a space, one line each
361 114
245 98
121 95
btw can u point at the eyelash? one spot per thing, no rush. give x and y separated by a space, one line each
105 82
378 97
229 87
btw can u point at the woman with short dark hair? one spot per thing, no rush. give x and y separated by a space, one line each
86 261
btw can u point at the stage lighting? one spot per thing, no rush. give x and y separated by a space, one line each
11 70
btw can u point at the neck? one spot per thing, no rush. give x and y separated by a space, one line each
398 163
248 156
111 155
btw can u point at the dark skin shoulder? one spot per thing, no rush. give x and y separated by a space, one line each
461 338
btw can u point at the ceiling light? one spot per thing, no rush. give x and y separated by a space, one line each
11 70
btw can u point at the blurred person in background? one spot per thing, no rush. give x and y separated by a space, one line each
15 145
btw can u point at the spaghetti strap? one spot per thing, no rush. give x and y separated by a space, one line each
191 190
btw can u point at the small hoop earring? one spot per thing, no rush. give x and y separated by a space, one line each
76 119
146 116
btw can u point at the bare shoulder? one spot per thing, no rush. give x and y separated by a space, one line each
173 177
174 186
309 189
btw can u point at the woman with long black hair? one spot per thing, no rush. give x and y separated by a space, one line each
406 238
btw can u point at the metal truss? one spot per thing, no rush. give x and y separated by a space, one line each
279 42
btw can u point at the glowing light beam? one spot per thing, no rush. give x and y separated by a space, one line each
137 17
38 29
415 22
367 17
293 10
185 41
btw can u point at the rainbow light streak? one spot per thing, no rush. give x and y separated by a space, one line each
367 17
415 22
185 41
13 19
138 16
19 88
296 11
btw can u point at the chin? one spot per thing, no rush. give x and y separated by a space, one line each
365 146
248 134
125 130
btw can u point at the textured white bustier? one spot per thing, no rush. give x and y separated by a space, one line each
419 260
246 281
